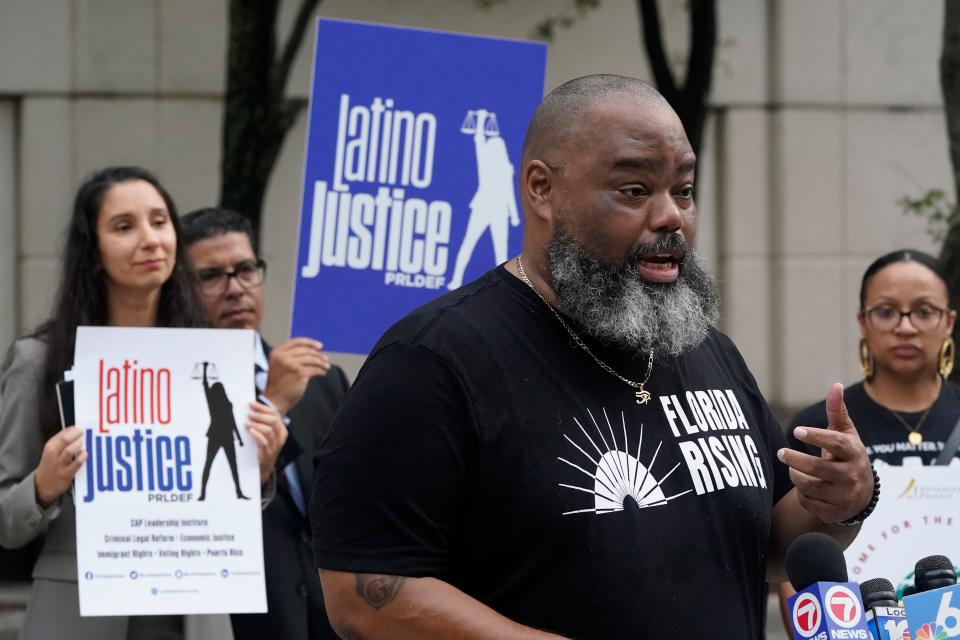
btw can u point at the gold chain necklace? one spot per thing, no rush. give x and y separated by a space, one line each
913 432
914 436
642 395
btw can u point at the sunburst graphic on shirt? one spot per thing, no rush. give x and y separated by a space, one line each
615 476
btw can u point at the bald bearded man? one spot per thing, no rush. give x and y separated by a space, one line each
567 447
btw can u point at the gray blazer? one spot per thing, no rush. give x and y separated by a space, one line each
21 518
54 609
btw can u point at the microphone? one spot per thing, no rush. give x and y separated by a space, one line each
934 610
886 619
826 606
878 592
934 572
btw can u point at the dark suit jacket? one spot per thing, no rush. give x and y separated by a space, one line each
295 608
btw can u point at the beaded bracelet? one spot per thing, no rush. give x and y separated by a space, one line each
860 517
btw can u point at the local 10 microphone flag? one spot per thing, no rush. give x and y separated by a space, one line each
413 153
888 623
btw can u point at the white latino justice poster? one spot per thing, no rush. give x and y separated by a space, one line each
168 501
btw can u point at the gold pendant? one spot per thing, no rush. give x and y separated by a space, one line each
915 437
643 396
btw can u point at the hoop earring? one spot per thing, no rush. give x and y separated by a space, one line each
948 353
866 359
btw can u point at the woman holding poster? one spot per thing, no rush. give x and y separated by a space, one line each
905 406
123 266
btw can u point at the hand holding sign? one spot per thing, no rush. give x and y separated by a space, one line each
292 364
838 484
62 457
267 428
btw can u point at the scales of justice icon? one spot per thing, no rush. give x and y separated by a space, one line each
490 125
212 373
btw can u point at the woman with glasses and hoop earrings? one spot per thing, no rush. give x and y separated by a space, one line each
905 406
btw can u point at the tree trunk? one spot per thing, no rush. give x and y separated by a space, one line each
256 115
689 100
950 85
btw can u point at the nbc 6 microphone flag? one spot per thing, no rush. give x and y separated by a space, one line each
934 614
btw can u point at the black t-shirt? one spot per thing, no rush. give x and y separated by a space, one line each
885 437
479 445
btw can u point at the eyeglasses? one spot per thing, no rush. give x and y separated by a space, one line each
926 317
216 282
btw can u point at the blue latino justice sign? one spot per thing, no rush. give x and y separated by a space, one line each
413 152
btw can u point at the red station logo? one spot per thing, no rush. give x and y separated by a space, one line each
843 606
806 614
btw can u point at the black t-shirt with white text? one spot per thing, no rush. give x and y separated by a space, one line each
481 446
885 437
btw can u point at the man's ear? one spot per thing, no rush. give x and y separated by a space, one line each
537 186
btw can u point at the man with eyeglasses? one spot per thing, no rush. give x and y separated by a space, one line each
299 381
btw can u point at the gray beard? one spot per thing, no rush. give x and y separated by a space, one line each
615 306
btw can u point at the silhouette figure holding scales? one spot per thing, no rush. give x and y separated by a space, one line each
493 206
220 435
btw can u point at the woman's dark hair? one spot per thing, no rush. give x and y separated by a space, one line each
901 255
82 294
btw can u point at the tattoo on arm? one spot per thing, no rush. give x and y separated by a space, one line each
377 590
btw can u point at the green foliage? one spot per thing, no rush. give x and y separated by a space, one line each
940 213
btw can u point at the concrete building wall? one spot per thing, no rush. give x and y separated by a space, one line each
824 114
